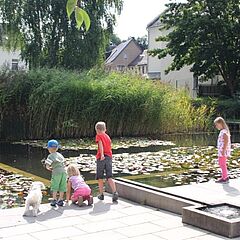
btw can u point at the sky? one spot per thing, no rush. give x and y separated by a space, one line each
135 16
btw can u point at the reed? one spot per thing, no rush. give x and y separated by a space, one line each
47 103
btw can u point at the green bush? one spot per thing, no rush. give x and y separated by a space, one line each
47 103
228 108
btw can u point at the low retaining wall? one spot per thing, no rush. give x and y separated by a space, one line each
225 227
141 193
191 211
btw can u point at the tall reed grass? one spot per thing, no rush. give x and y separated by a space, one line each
47 103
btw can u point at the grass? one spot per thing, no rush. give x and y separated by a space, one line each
47 103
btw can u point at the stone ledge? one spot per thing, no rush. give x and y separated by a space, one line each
152 197
226 227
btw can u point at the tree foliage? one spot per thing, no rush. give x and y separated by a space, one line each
114 39
46 36
206 35
143 42
81 16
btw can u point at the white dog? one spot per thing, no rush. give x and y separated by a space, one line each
34 199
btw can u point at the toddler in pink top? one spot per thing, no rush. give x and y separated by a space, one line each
82 191
224 148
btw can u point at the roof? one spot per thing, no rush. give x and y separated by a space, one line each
140 60
117 50
154 20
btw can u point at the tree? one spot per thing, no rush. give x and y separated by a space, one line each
143 42
46 37
1 35
206 35
114 39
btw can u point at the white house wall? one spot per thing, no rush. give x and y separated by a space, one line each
7 57
178 79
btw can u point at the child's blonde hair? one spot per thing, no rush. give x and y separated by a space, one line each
101 126
221 121
73 170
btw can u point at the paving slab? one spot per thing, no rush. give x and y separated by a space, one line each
209 192
104 220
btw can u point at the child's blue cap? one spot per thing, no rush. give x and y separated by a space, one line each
53 144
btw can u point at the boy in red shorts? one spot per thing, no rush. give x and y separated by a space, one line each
104 160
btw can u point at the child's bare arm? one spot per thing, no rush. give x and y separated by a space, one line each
100 145
68 193
48 167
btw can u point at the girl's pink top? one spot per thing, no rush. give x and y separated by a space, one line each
220 144
77 182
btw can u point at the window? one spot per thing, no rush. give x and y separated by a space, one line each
14 64
120 67
195 82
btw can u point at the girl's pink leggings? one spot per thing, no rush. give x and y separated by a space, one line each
223 165
83 192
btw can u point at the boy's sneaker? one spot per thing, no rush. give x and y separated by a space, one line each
221 180
90 200
53 203
101 197
80 201
60 203
115 197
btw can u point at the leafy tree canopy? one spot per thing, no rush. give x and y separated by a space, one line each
206 35
47 37
143 42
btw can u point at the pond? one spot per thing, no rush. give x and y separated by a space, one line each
28 157
173 160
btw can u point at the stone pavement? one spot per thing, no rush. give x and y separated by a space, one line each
209 192
105 220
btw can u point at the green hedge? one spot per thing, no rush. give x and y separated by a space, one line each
47 103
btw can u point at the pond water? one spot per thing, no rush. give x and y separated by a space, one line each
225 210
188 160
28 158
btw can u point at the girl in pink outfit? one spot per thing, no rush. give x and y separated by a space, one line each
82 191
224 148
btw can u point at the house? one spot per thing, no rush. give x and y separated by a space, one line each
183 78
127 56
11 60
139 65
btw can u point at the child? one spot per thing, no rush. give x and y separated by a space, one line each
82 191
56 164
104 160
224 148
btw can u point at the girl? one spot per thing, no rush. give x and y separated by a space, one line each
224 147
82 191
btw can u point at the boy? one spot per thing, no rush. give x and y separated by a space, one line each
104 160
56 164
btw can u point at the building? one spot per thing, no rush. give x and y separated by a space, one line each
127 56
183 78
11 60
139 65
